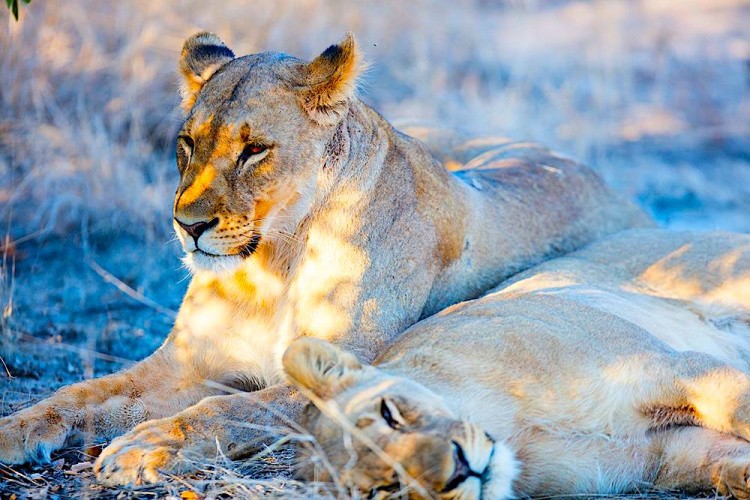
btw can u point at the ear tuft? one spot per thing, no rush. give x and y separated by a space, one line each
330 81
320 367
202 54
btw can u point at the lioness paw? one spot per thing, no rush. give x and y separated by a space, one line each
140 456
31 436
732 477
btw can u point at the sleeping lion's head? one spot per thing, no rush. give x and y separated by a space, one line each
390 436
253 150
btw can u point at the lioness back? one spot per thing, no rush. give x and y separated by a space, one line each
508 184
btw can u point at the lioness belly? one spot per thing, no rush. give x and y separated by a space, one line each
558 461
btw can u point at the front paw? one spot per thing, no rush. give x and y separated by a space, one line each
142 455
732 478
32 435
740 420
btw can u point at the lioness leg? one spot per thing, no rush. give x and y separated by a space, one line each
97 409
239 424
695 459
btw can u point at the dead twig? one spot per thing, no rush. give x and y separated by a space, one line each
129 291
6 368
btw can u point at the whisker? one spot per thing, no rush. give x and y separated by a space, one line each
290 237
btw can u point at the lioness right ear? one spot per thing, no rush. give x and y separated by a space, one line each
202 54
330 80
320 367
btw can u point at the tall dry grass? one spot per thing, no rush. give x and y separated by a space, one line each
653 92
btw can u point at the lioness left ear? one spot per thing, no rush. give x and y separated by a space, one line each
330 81
202 54
320 367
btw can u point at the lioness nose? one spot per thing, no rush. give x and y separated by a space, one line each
461 469
197 229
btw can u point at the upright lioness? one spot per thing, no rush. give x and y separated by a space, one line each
622 366
303 212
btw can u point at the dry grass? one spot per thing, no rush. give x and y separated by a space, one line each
219 478
647 91
653 93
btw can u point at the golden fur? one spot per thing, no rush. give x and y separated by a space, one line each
621 367
303 212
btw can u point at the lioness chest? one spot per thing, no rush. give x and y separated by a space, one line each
233 329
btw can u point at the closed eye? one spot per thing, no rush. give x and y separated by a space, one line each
391 415
385 490
252 153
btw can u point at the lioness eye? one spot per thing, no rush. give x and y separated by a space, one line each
249 151
390 415
185 147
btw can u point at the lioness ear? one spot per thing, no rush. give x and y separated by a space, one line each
320 367
330 81
202 54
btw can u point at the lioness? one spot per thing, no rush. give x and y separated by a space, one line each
622 366
303 212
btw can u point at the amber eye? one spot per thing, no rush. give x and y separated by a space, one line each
249 151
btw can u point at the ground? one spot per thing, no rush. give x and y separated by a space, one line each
654 95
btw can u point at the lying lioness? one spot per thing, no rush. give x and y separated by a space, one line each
303 212
622 366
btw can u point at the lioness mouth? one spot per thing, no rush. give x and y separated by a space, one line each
251 246
245 251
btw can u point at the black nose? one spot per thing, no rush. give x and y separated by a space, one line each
197 229
461 471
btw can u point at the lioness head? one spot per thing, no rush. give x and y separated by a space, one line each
253 145
386 435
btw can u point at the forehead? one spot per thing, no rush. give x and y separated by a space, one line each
248 88
362 397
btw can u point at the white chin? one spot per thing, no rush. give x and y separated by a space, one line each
503 471
198 261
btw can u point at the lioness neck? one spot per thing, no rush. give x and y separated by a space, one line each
473 228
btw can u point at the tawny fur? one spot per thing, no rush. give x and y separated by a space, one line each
603 371
338 227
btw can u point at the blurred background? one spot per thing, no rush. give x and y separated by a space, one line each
653 94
